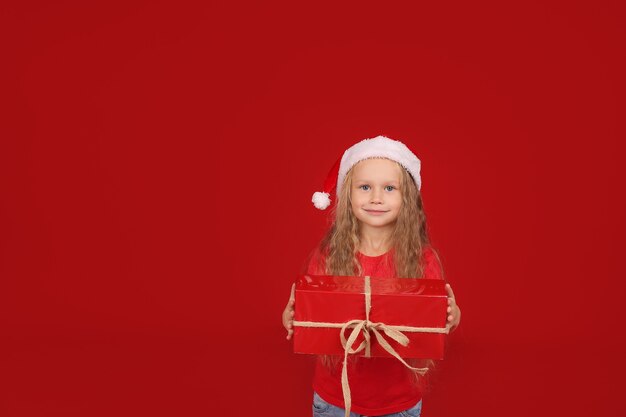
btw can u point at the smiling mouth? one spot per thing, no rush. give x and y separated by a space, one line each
376 211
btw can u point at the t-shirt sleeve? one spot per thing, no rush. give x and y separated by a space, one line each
432 266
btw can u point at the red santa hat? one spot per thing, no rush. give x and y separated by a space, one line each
378 147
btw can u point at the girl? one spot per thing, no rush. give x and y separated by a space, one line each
378 229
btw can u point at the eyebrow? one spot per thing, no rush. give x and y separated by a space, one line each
386 181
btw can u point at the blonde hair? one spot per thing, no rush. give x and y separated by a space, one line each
409 238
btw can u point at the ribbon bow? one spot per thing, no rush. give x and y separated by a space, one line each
366 326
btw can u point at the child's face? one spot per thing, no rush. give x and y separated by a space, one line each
375 194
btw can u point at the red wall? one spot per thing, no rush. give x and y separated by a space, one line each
157 161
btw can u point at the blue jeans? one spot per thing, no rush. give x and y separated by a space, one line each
323 409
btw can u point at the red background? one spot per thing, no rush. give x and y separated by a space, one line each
157 161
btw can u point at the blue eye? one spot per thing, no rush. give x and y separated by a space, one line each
388 187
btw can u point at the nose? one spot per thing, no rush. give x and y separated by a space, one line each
376 197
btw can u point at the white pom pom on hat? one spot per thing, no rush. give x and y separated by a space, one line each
381 147
321 200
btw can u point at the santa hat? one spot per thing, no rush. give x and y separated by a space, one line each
378 147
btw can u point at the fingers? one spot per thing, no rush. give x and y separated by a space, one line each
290 312
451 299
288 315
289 325
454 315
449 290
292 297
453 311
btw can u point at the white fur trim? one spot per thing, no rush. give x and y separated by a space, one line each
321 200
382 147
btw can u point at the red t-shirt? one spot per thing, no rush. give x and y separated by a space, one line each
378 385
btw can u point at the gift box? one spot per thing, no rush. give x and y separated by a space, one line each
327 306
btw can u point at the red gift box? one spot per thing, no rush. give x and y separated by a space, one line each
415 307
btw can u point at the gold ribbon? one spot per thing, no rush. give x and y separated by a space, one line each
365 326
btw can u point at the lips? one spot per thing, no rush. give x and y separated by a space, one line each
376 211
